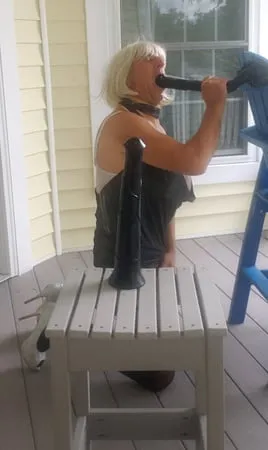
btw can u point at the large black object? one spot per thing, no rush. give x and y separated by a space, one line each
127 270
254 73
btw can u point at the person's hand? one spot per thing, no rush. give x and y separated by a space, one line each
214 91
169 259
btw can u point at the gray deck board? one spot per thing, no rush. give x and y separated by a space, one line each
128 394
25 403
245 377
48 272
14 408
37 384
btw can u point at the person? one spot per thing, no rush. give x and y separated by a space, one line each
135 99
136 102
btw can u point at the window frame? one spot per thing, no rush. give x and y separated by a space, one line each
104 15
15 227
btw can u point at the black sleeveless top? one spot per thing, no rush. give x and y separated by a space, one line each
162 193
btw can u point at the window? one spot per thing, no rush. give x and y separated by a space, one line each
202 37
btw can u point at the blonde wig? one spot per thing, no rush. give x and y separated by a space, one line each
115 83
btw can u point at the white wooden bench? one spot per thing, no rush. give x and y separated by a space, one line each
174 322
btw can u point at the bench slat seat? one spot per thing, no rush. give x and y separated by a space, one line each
174 322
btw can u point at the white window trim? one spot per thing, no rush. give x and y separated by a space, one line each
103 35
18 239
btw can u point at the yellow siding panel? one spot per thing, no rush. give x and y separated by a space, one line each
35 143
73 220
74 179
65 76
72 139
32 99
223 189
68 54
28 32
43 248
34 117
80 199
31 77
66 10
34 121
39 206
68 118
77 239
29 55
211 225
206 206
26 10
73 159
70 97
188 227
38 185
66 32
37 164
41 226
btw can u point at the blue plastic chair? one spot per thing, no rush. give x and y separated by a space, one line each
248 274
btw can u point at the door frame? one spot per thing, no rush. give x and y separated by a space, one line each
15 233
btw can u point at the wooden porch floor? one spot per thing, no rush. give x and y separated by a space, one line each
24 396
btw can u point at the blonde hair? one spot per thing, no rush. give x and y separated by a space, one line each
115 83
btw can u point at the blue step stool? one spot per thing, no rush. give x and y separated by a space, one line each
248 274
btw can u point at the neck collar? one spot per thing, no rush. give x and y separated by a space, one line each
137 107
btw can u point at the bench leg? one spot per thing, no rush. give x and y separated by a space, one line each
201 406
201 442
61 396
215 393
80 392
201 391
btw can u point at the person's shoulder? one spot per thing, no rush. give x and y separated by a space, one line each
125 122
130 121
120 116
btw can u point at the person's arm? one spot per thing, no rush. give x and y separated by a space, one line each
171 239
203 144
170 254
191 158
